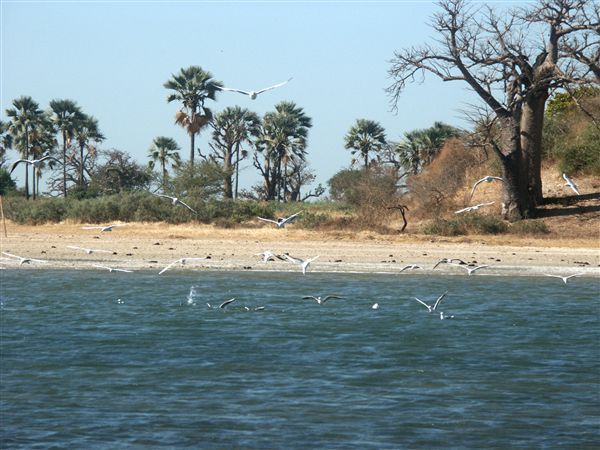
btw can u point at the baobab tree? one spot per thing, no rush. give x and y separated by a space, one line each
501 57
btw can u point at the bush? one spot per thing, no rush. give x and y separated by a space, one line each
531 227
42 210
466 224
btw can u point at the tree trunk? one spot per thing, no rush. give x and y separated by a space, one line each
237 169
515 203
64 136
27 165
227 182
192 144
163 164
532 123
81 167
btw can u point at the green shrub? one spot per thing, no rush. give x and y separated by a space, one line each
42 210
529 227
466 224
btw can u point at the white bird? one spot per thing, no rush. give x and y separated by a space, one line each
471 270
375 306
36 163
111 269
473 208
320 300
89 251
442 317
410 267
448 261
256 308
282 221
104 227
268 255
253 94
304 263
175 201
431 308
23 260
565 279
487 179
571 184
181 260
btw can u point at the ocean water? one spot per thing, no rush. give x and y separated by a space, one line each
111 360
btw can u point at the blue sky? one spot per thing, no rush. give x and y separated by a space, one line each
112 58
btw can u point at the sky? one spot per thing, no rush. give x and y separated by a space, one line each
113 57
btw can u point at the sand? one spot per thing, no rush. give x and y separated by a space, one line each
138 246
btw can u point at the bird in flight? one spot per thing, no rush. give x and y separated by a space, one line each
175 201
433 307
23 260
111 269
103 228
410 267
320 300
449 261
268 256
486 179
304 263
181 260
89 251
471 270
473 208
253 94
571 184
36 163
565 279
282 221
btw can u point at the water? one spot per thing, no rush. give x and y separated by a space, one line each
108 360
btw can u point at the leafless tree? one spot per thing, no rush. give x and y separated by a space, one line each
500 56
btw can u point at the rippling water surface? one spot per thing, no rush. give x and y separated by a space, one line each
108 360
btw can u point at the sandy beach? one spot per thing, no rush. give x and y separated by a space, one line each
138 246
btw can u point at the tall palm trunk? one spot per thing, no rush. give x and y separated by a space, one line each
64 136
81 147
27 165
163 164
192 144
237 169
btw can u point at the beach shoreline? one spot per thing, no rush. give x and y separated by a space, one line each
141 246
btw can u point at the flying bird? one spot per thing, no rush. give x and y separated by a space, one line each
304 263
471 270
36 163
487 179
473 208
433 307
268 255
320 300
282 221
181 260
565 279
448 261
23 260
89 251
410 267
103 228
253 94
175 201
571 183
111 269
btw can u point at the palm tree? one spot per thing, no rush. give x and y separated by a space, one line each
85 132
164 150
24 114
283 136
193 86
365 136
231 128
6 141
66 113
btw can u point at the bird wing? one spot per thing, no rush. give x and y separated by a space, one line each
91 228
16 163
553 276
574 275
423 303
310 297
273 87
123 270
233 90
76 248
292 259
480 267
327 297
268 220
102 267
169 266
187 206
226 302
290 218
443 260
404 268
309 260
475 186
468 208
163 195
439 300
13 256
49 157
